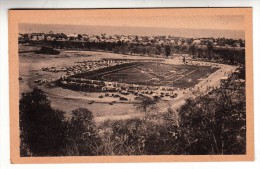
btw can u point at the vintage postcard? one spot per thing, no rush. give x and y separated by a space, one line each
131 85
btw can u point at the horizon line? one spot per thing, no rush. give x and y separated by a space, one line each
133 26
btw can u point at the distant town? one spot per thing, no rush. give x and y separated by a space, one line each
144 40
152 43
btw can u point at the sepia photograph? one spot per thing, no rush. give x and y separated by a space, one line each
114 85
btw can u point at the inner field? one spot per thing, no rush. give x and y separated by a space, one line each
153 74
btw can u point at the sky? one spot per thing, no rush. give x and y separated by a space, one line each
223 19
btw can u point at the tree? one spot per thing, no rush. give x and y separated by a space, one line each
42 129
214 124
163 139
210 49
200 53
192 49
83 134
26 38
167 50
80 36
146 105
128 137
158 50
136 39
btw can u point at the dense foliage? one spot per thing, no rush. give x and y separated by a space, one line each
210 124
214 124
44 131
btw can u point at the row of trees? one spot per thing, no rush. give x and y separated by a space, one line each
211 124
116 47
208 51
221 54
